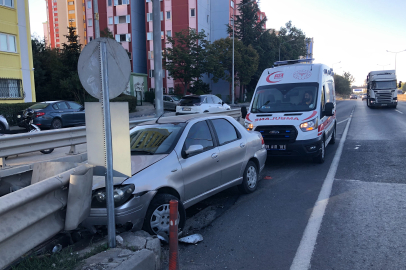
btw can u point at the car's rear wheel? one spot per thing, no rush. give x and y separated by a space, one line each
2 128
47 151
157 217
56 123
320 158
250 178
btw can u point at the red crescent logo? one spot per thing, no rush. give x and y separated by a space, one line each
268 80
313 114
247 117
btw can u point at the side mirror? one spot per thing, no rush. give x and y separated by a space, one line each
329 109
243 111
82 108
193 149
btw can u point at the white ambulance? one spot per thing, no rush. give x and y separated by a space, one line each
294 109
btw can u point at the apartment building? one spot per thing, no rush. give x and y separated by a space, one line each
62 14
16 66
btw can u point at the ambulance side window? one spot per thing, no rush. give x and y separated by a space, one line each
323 101
327 93
332 91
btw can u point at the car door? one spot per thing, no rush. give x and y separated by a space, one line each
218 104
201 171
78 113
172 104
64 112
232 147
166 103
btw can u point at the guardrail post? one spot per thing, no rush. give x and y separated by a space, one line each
3 162
72 150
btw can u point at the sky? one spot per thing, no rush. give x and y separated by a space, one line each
356 33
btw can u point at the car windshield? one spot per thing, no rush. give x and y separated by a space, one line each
384 85
175 98
190 101
155 139
39 106
292 97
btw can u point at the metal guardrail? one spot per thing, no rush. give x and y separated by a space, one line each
36 141
39 211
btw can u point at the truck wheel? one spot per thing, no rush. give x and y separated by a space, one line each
320 158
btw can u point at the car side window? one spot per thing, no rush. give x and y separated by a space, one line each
74 106
61 106
199 134
217 100
226 132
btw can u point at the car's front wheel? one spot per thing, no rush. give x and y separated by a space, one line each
320 158
250 178
157 217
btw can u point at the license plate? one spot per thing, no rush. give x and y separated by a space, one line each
186 109
384 104
276 147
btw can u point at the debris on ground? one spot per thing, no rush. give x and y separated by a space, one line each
192 239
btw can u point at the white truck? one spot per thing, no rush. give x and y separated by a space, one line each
381 89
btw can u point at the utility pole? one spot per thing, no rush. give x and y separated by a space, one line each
396 54
232 80
96 19
156 10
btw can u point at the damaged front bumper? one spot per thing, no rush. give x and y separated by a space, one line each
132 212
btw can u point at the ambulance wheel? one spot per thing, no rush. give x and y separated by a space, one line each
333 136
320 158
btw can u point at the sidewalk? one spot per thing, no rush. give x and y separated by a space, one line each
147 109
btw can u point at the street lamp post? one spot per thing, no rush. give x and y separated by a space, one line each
396 54
332 66
280 47
383 66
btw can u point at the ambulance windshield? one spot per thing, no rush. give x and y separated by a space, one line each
292 97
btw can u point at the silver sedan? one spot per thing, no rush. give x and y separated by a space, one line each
184 158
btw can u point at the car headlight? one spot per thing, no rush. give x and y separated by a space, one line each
249 126
310 125
121 195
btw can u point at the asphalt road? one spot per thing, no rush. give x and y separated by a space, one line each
360 225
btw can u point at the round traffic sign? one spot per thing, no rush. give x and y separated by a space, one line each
118 66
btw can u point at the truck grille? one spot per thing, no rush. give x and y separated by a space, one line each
383 97
278 134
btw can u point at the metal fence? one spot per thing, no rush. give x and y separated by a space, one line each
11 88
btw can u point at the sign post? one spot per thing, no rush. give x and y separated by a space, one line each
104 71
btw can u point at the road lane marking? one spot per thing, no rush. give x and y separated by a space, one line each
342 121
399 111
307 243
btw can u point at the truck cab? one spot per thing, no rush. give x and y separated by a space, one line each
382 89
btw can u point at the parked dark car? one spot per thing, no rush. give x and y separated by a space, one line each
353 96
363 96
57 114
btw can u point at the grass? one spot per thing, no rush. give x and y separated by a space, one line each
64 260
402 97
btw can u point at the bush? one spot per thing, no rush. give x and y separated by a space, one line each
132 101
9 111
149 96
219 96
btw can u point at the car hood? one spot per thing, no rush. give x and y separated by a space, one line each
138 163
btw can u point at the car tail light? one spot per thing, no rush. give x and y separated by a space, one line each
38 114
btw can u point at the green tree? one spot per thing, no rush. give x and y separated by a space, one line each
200 88
292 42
348 77
106 33
342 85
186 58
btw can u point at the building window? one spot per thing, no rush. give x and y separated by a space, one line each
121 2
123 38
8 43
71 12
71 3
232 3
168 15
208 18
162 15
192 12
148 1
11 89
90 39
162 35
149 17
151 73
7 3
122 19
149 36
170 90
110 20
90 22
150 55
109 3
169 33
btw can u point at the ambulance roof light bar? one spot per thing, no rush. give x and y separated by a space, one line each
291 62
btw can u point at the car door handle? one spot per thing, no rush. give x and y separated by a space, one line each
242 145
214 155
